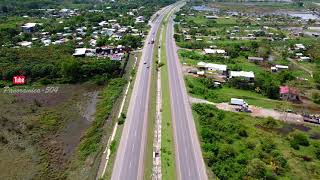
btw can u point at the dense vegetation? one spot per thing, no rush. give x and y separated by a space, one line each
237 146
53 64
22 6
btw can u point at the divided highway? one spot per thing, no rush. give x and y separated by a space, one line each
129 163
189 161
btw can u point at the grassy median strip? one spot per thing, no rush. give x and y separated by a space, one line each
148 165
167 142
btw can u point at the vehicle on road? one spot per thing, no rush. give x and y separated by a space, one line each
244 107
238 102
311 118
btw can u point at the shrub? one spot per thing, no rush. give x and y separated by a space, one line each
317 153
300 139
294 145
267 145
121 121
251 145
270 123
242 159
280 162
316 97
256 169
242 132
226 151
113 146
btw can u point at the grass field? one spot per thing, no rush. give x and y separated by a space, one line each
167 141
238 146
220 21
40 133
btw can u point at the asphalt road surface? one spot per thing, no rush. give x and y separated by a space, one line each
189 161
129 163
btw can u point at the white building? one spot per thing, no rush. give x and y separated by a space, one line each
211 17
139 19
220 68
103 23
299 47
29 27
46 42
277 68
214 51
305 58
80 52
245 74
25 44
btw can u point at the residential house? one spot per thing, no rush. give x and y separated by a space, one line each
277 68
93 42
299 47
304 58
243 74
108 31
112 21
219 68
82 52
25 44
109 50
211 17
29 27
214 51
255 59
140 19
46 42
103 23
289 93
187 38
116 57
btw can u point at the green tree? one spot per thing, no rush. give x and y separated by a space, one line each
70 70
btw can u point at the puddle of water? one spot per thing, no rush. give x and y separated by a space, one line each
205 8
286 129
304 15
74 130
91 106
315 136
